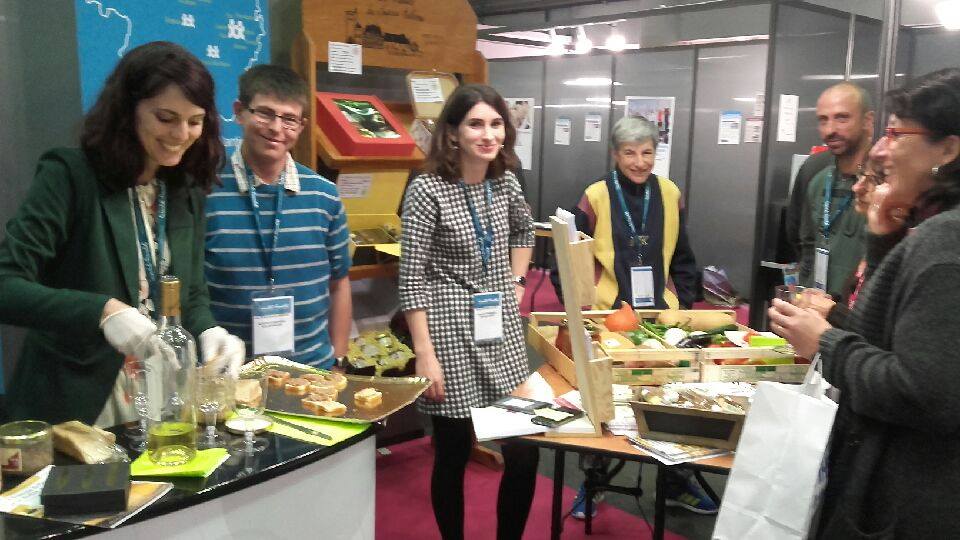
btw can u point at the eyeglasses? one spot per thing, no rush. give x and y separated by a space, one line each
265 116
893 133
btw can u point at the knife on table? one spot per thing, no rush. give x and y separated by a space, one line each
298 427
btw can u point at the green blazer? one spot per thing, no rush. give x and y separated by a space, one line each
71 247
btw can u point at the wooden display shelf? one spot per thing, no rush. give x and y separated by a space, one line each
333 159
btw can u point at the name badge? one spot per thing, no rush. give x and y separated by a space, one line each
488 317
820 264
272 323
641 284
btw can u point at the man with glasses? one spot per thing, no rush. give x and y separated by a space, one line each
277 240
829 237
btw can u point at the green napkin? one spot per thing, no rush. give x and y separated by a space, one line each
205 462
767 341
338 431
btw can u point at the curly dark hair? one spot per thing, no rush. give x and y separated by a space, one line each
109 133
444 158
933 101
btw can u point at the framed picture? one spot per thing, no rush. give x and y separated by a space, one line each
361 125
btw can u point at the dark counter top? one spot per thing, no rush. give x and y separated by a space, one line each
282 455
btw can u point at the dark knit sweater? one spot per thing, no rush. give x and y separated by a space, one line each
894 465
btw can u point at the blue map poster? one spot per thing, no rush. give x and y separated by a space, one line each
229 36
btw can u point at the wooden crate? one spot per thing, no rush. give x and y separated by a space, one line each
785 373
542 336
688 426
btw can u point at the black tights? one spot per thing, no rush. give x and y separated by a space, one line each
453 441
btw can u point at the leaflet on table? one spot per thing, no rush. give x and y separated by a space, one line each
490 423
24 500
670 453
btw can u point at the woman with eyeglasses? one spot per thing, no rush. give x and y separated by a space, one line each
836 310
894 460
100 224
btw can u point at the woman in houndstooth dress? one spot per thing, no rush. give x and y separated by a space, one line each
441 268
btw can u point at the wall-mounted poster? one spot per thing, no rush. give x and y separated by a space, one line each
228 36
521 114
660 111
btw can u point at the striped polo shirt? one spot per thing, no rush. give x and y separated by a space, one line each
311 250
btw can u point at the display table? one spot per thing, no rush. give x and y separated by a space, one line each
291 490
608 445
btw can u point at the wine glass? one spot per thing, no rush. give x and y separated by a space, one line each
251 398
213 397
136 388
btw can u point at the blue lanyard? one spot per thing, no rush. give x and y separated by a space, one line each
255 205
635 239
829 220
151 261
484 236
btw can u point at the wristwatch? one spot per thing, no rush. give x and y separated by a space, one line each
520 280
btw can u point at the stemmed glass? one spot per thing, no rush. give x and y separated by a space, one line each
136 388
251 398
213 392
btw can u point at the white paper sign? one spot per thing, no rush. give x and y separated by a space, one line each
758 103
660 111
561 131
344 58
354 186
522 116
729 131
752 130
426 90
591 127
787 120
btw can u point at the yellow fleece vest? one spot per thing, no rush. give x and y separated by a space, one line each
603 250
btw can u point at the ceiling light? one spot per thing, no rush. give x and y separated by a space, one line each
615 41
583 45
588 81
555 48
948 13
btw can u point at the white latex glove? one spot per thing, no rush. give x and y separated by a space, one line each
129 331
222 351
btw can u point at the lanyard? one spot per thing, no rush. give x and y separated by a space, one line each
829 220
635 239
484 236
152 261
255 206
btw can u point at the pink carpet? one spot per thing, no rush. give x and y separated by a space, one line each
404 511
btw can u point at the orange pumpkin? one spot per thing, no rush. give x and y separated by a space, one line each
622 320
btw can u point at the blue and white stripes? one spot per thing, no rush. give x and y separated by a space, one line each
311 250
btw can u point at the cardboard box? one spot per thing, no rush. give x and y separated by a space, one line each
361 125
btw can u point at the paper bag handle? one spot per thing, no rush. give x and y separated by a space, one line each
813 380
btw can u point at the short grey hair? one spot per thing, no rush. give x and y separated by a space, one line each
634 129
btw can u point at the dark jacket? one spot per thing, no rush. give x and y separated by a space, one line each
811 166
71 247
894 462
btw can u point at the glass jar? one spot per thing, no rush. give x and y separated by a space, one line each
26 447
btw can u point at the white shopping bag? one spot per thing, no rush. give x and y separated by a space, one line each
775 484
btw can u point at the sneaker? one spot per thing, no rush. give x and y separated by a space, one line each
579 510
692 498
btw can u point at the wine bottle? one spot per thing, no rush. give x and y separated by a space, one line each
172 439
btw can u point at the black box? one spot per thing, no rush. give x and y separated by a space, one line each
73 490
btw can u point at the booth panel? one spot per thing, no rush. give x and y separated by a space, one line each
661 74
934 49
866 56
568 169
524 79
721 208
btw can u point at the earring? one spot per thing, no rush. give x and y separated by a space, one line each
935 170
454 145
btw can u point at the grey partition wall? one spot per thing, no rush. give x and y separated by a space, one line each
568 169
933 49
722 201
660 74
524 79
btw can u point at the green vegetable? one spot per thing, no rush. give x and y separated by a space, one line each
721 329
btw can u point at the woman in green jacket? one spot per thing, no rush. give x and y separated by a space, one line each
99 225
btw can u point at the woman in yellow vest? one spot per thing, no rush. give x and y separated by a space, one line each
643 257
635 218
